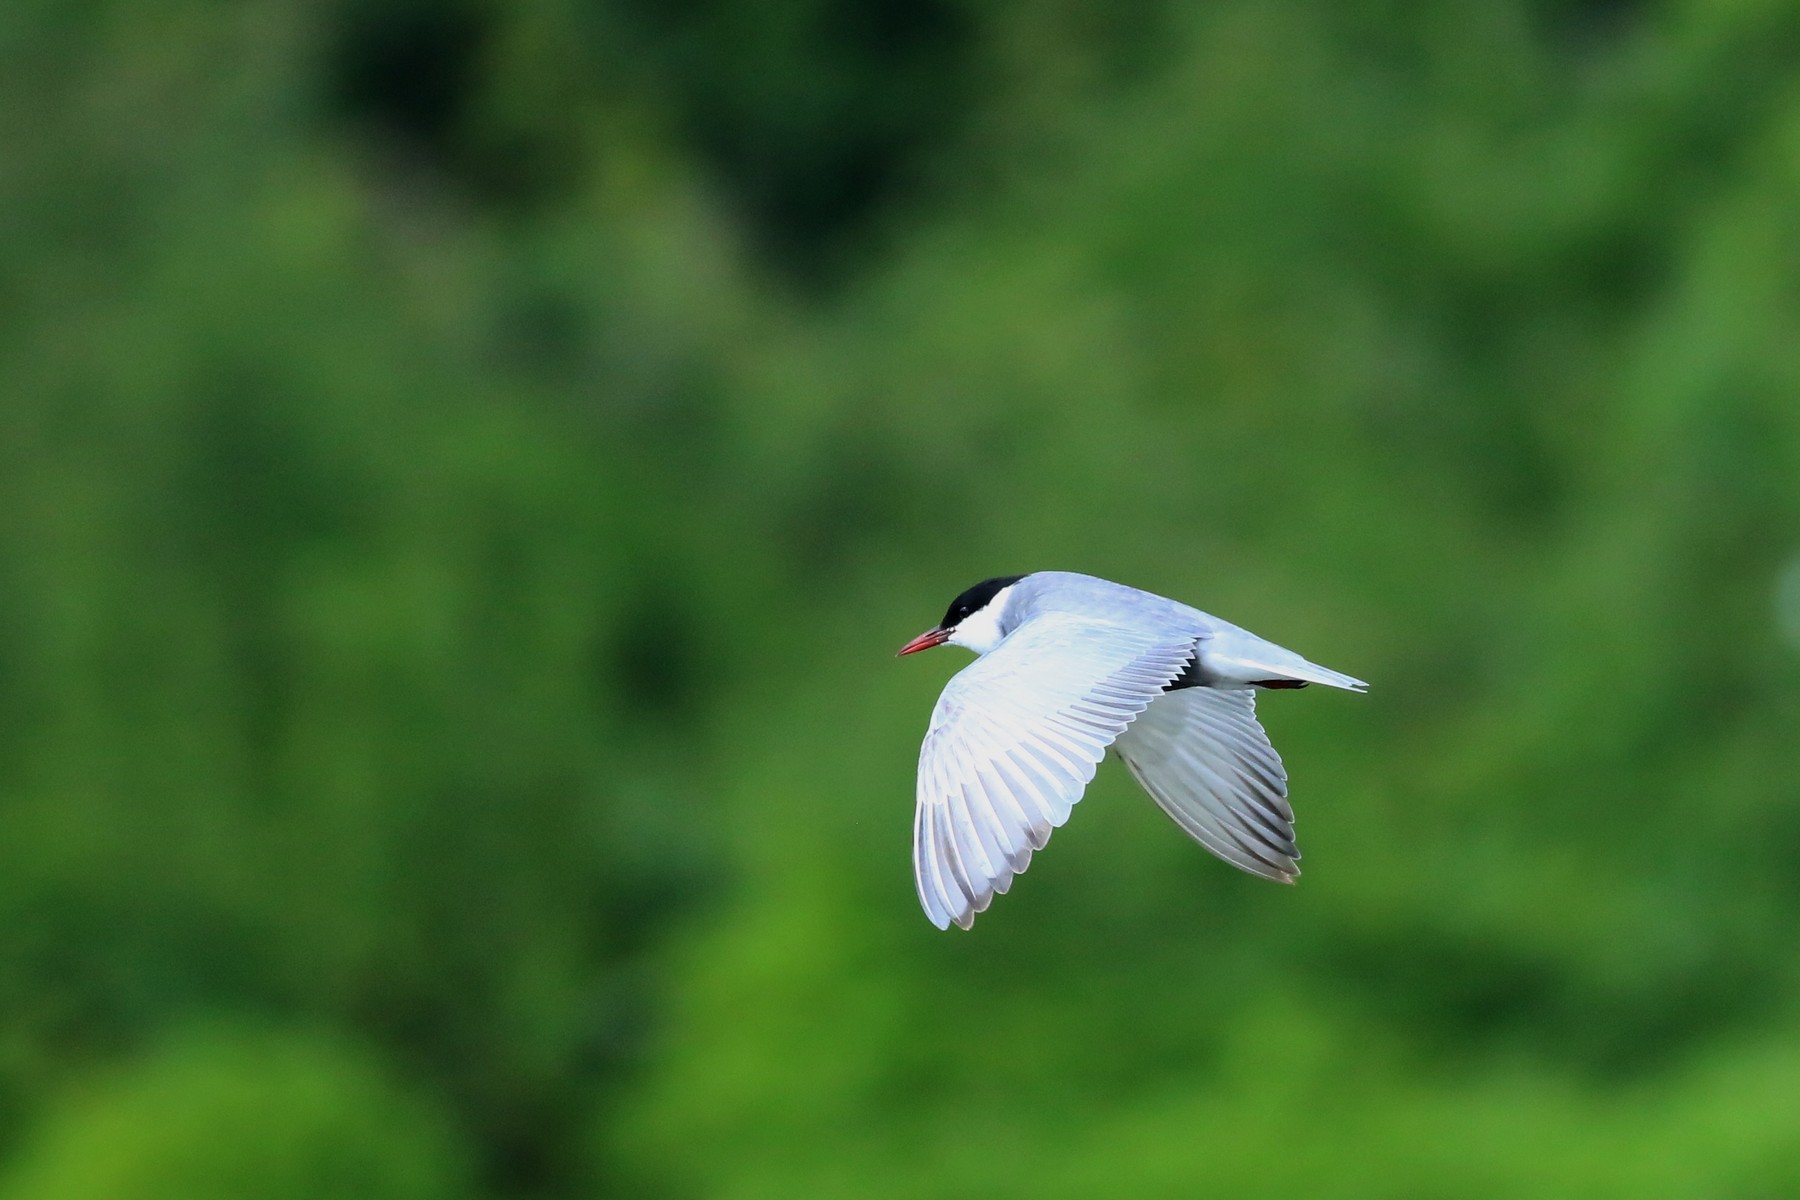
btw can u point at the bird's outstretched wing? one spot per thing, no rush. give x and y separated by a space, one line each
1206 762
1014 741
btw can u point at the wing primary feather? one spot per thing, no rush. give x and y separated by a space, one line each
1003 797
1042 784
995 801
955 900
996 877
1220 847
1218 799
1250 814
1058 769
1024 791
1059 754
949 899
963 901
976 869
922 866
1266 854
1243 731
925 870
952 845
964 866
979 810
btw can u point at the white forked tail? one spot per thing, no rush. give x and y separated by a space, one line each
1238 657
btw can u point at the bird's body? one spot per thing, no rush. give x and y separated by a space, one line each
1071 666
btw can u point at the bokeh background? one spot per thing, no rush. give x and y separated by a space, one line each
465 466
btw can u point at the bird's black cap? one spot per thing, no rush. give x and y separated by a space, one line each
976 599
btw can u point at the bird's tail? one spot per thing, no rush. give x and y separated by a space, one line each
1236 656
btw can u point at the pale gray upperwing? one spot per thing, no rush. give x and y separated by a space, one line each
1014 741
1229 656
1207 763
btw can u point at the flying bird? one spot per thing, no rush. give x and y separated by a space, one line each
1069 667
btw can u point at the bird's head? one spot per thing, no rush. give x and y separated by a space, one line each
977 619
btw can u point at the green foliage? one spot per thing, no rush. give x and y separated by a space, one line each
241 1117
464 469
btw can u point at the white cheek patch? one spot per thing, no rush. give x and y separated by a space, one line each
980 631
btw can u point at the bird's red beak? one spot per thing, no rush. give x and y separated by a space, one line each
925 641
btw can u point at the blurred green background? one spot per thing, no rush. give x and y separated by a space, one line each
465 466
